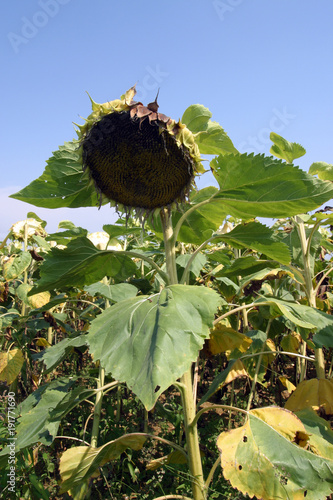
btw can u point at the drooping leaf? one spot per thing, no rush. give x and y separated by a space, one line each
79 464
114 293
62 184
289 385
260 186
225 339
319 431
55 354
322 169
150 341
284 149
210 136
35 423
296 313
257 237
11 363
314 393
16 265
262 458
81 263
175 457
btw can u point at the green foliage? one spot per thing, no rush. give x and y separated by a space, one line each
62 183
149 342
110 320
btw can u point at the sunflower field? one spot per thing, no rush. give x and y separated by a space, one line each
185 351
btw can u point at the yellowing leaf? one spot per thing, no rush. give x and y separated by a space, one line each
42 342
290 343
175 457
224 339
314 393
79 464
236 371
11 363
263 458
289 385
39 300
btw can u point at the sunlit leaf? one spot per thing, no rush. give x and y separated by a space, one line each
225 339
210 136
260 186
267 458
322 169
16 265
11 363
62 183
284 149
79 464
289 385
314 393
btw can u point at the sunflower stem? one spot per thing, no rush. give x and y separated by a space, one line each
189 407
309 289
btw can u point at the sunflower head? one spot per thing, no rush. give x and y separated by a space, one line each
137 157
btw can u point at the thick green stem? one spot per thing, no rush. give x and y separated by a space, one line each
191 432
309 289
98 408
99 395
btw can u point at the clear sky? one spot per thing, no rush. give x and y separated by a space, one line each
258 65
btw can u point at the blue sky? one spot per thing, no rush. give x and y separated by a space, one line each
257 65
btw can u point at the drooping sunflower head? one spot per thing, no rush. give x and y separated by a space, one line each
137 157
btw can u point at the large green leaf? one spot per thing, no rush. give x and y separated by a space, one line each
257 237
210 136
262 458
260 186
62 184
81 263
149 342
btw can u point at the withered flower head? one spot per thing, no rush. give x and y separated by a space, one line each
137 157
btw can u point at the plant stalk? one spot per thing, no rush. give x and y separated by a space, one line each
309 289
189 407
